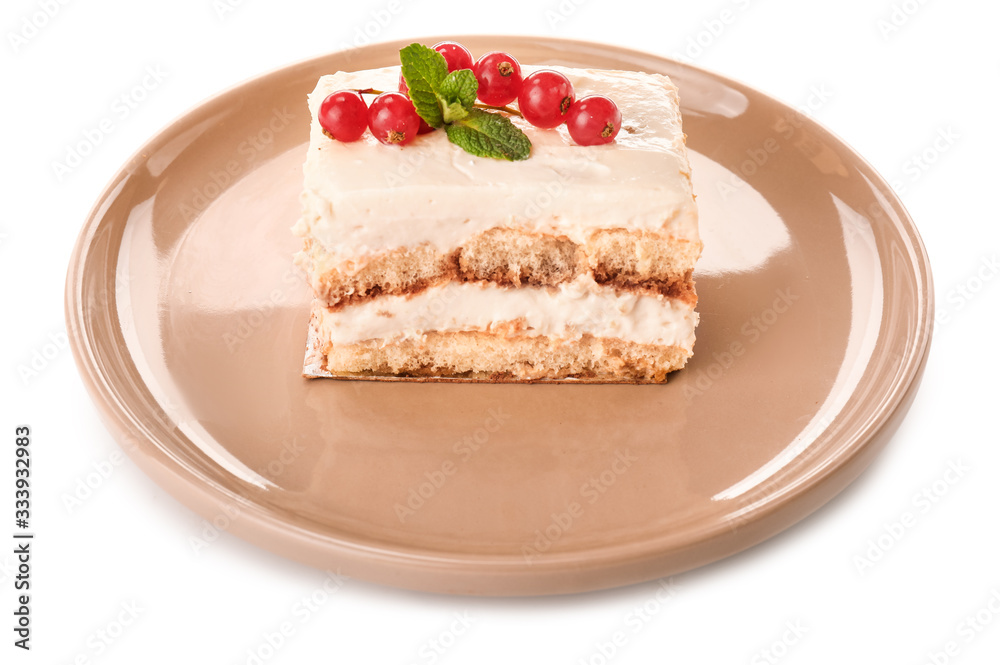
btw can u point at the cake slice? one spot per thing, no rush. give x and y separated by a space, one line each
573 264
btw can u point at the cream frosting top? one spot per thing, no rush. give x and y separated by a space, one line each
568 311
363 197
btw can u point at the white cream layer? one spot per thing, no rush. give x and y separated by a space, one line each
567 311
362 198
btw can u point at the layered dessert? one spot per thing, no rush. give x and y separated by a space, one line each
573 263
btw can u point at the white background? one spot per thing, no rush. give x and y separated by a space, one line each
890 94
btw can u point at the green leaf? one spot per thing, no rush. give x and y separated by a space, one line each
460 86
453 112
489 135
423 70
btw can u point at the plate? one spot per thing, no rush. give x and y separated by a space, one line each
188 321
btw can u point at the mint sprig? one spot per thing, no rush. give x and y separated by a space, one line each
447 99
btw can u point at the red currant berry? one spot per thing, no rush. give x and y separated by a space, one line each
405 89
392 118
499 76
343 115
593 120
457 56
545 98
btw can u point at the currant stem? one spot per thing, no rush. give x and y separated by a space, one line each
505 109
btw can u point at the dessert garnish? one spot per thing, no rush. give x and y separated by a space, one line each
438 89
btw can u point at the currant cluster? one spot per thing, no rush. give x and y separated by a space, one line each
544 98
344 116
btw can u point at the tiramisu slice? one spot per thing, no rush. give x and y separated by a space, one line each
573 262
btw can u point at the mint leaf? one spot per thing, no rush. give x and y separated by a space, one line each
489 135
423 70
457 94
460 87
453 112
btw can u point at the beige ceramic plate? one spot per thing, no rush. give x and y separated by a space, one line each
188 324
